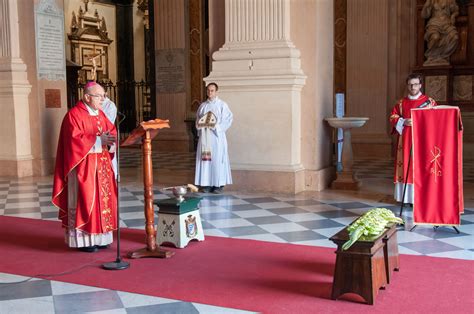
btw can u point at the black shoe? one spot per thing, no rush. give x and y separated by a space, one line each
88 249
205 189
101 247
218 190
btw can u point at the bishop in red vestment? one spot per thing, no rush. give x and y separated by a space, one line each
84 187
400 119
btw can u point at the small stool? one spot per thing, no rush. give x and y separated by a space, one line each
179 222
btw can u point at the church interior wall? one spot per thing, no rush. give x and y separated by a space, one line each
171 37
401 52
312 33
139 43
381 42
28 55
44 122
216 25
367 73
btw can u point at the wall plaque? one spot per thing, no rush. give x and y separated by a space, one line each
49 33
52 98
170 67
462 87
436 86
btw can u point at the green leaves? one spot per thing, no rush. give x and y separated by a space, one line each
371 224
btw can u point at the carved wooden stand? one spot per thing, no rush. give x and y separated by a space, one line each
145 132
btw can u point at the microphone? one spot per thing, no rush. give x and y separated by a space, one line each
122 117
426 103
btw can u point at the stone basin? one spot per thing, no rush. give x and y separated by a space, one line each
346 179
347 122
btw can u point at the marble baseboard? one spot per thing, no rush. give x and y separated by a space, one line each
16 168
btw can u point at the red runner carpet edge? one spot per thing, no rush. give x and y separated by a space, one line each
243 274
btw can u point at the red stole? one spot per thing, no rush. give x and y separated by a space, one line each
437 166
403 110
97 193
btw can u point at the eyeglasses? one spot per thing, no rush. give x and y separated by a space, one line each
414 84
97 96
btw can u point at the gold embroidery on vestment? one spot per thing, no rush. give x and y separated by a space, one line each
435 164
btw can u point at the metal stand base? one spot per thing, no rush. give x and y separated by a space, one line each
435 228
454 227
117 265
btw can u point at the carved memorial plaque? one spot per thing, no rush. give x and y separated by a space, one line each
49 26
170 75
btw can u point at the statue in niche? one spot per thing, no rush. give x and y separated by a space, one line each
93 58
441 34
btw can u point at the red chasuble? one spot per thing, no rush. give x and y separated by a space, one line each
437 166
96 193
403 110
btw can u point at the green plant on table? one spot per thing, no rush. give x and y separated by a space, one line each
372 223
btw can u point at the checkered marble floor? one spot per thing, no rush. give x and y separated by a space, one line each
305 219
50 296
132 158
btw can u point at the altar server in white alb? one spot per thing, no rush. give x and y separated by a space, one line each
213 118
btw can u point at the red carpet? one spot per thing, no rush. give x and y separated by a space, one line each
244 274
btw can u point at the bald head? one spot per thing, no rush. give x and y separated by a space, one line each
94 95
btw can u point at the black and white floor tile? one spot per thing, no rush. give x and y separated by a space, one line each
132 158
304 219
50 296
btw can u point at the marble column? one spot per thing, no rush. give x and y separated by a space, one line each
259 73
15 154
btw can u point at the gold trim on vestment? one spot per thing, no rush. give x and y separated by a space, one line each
93 199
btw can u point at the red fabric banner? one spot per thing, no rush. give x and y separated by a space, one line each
437 165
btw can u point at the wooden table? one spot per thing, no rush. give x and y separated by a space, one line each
366 266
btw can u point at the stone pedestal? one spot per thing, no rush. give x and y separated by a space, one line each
346 179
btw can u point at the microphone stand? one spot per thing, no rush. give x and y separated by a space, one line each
119 264
405 183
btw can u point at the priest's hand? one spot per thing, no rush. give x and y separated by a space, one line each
107 139
407 122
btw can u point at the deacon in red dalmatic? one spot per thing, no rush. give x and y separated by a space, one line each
401 122
84 185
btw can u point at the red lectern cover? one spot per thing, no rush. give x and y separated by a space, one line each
437 165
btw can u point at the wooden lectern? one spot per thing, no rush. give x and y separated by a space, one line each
143 134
